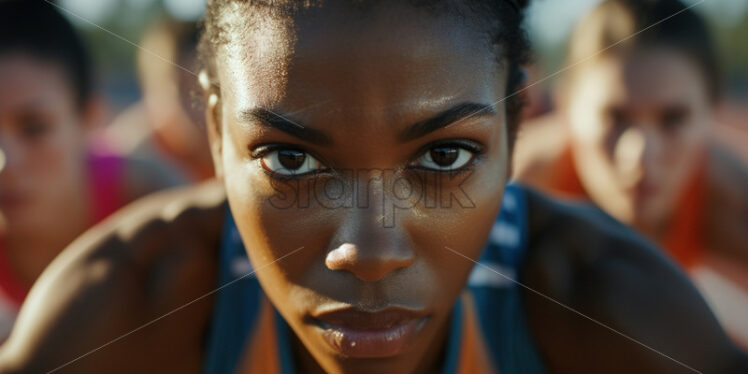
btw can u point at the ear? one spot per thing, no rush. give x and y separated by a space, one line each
213 122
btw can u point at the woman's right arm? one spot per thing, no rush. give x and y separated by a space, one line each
107 303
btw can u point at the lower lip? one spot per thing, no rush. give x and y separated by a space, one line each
371 343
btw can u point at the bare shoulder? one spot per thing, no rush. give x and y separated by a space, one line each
107 303
540 142
612 302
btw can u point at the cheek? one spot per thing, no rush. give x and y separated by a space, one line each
587 134
594 157
282 240
460 223
56 161
681 156
451 240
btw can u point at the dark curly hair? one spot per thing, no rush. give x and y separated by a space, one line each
503 19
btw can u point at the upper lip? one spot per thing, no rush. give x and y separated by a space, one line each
360 319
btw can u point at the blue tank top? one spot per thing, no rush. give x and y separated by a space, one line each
497 302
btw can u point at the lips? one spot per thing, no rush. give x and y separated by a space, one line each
357 333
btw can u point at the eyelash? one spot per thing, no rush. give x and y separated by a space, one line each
260 151
471 146
474 147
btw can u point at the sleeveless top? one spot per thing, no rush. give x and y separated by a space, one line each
105 174
488 331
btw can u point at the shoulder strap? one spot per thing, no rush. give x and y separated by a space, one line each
498 297
236 306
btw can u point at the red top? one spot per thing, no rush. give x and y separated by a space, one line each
684 239
105 178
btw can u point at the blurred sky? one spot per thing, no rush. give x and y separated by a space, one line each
549 23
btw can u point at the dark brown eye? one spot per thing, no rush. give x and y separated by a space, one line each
673 118
291 159
289 162
446 157
33 130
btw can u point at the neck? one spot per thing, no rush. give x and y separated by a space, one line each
29 251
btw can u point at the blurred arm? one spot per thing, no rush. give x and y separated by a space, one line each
93 309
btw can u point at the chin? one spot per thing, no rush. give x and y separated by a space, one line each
388 365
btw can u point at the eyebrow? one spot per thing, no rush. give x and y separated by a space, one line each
289 126
448 117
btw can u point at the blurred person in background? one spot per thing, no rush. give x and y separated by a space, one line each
634 134
52 185
165 125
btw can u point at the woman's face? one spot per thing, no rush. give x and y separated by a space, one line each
638 126
337 136
41 143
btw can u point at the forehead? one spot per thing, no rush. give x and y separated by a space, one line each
28 81
646 78
381 58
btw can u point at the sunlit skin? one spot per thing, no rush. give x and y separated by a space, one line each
356 83
349 256
639 127
42 137
177 122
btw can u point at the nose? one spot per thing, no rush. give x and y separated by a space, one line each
636 150
369 249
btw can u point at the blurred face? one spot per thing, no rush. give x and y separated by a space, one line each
638 128
169 104
352 155
41 143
